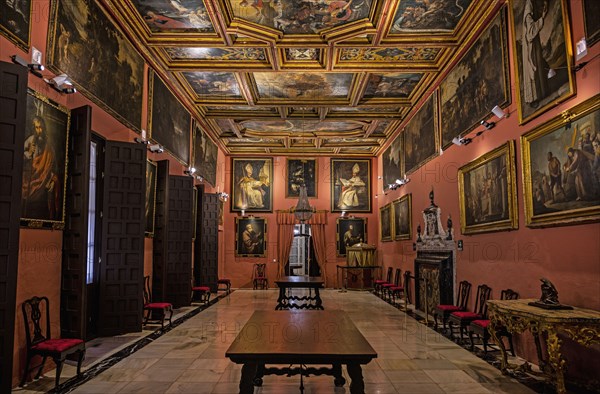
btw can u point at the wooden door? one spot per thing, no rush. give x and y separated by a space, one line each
123 223
75 235
206 252
13 101
159 242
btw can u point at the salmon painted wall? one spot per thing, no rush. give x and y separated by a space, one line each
239 269
40 251
569 256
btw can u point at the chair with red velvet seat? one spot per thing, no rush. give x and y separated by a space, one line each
463 318
226 282
480 327
377 283
402 292
385 287
42 344
155 311
259 276
443 311
200 293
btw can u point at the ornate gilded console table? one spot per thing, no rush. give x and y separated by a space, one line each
581 325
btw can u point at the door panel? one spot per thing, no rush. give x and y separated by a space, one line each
123 223
160 244
206 252
13 101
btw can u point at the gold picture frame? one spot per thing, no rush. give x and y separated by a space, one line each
386 223
487 192
350 231
573 194
251 236
251 184
299 171
350 185
402 213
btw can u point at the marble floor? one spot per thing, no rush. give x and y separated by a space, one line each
190 358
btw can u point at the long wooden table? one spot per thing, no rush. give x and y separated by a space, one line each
300 338
284 301
581 325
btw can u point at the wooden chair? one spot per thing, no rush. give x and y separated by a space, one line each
463 318
259 276
200 293
377 283
402 292
480 327
155 311
385 287
225 282
443 311
42 344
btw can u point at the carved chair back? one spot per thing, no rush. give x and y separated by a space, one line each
33 311
260 270
483 295
147 290
388 278
464 290
509 294
406 285
397 277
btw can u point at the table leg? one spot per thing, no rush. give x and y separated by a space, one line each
247 380
280 300
260 372
357 385
318 301
555 359
339 379
493 330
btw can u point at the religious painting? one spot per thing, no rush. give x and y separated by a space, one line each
542 53
150 197
402 209
350 231
301 172
487 190
227 54
384 55
213 84
301 85
420 136
301 17
350 185
251 188
44 163
98 58
591 10
386 223
15 21
302 125
169 122
478 82
175 16
392 163
205 155
561 168
432 16
251 237
391 85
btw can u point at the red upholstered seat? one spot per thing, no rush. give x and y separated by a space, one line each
397 288
56 345
379 281
449 308
387 285
200 288
481 323
467 315
158 305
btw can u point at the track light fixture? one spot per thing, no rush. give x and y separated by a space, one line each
223 196
141 141
499 112
488 125
33 68
399 182
61 83
156 148
190 171
461 141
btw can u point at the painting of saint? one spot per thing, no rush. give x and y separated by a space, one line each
251 184
542 55
421 16
394 85
44 163
296 85
214 84
591 10
392 163
562 168
402 209
170 123
205 155
15 21
150 197
350 185
385 223
477 83
251 237
420 142
101 62
350 231
301 172
175 16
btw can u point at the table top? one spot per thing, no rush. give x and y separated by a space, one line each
521 307
311 281
300 336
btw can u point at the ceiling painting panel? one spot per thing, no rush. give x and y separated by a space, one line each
175 15
392 85
227 54
428 16
303 86
214 84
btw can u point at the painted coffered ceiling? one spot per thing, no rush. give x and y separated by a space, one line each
301 77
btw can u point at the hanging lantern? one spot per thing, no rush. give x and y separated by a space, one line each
303 210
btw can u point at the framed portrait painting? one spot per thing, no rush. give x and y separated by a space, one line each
350 231
251 184
251 237
543 55
402 210
301 172
561 168
421 136
169 122
150 197
392 163
15 22
44 163
487 192
591 10
386 224
205 155
350 185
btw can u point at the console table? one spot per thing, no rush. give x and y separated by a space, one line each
300 338
284 301
581 325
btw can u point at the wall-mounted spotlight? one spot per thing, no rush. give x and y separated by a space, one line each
156 148
399 182
141 141
190 171
34 68
499 112
461 141
61 83
223 196
488 125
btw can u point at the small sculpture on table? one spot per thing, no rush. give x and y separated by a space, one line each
549 298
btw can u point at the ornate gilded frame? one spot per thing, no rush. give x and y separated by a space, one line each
396 211
10 34
335 167
259 224
314 181
507 151
238 174
386 214
342 224
567 120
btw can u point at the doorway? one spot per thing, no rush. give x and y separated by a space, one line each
302 260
